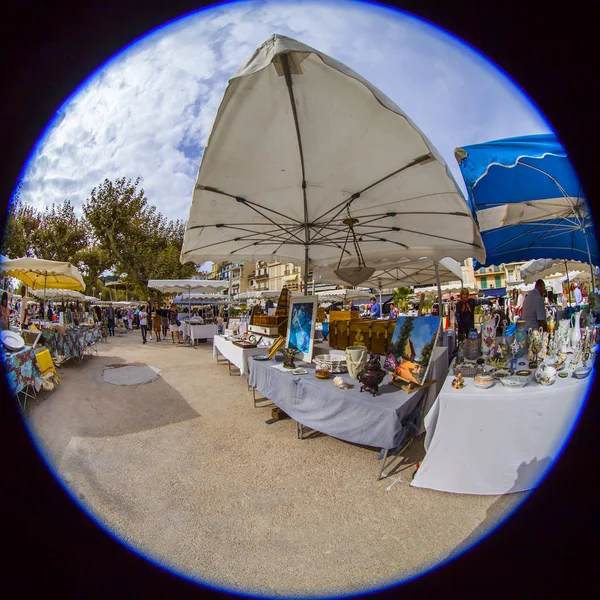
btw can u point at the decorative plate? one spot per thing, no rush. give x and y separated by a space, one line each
13 341
502 373
260 357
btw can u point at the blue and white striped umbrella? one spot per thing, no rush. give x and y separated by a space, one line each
529 200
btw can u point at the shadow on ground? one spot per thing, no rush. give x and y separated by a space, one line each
93 408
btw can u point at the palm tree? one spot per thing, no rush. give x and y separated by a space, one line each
400 298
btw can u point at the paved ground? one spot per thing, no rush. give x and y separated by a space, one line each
186 469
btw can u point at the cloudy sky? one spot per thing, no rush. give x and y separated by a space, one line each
149 111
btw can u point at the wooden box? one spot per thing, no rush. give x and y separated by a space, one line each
375 335
343 315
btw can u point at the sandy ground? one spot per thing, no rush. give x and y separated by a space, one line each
186 470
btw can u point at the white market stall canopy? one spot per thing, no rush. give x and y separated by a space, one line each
544 268
300 144
399 273
344 295
38 274
91 299
199 296
258 295
450 287
176 286
56 294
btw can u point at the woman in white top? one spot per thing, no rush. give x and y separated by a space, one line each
143 316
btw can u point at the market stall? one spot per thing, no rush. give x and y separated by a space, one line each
22 372
499 440
347 414
513 404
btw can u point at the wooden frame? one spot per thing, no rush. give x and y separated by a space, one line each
233 323
301 326
276 346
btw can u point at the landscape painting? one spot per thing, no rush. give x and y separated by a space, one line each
301 326
412 346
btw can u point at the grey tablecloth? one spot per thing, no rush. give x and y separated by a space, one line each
349 415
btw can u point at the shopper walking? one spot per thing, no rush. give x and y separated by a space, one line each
156 324
174 324
143 316
110 315
164 320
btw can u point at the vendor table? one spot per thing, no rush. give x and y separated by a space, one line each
198 331
349 415
499 440
71 343
22 372
234 354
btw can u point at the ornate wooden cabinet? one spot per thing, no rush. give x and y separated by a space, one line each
375 335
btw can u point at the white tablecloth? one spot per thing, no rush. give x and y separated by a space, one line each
497 441
234 354
202 332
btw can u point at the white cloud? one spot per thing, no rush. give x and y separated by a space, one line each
148 113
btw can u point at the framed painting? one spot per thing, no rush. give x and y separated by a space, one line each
301 326
233 323
412 345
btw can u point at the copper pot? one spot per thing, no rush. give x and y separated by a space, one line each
371 375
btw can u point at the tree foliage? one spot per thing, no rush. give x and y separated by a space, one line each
60 235
21 222
119 231
400 298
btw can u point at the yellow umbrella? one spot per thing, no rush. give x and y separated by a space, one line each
38 274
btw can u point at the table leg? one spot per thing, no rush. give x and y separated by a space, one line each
385 453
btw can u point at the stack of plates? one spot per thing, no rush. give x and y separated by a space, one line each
12 341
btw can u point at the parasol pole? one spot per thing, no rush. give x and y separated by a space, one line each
568 282
306 270
440 304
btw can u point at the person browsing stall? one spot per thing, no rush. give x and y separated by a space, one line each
465 312
5 311
375 308
534 310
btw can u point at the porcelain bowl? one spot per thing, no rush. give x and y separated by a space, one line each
484 381
514 381
582 372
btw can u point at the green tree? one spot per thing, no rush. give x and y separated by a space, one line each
400 298
92 261
400 344
140 242
60 234
21 221
426 354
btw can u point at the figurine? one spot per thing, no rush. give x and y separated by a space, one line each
458 382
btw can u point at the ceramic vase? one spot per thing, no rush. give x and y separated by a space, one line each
521 339
356 358
372 375
563 336
576 330
488 334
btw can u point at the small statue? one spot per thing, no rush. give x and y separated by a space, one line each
458 382
371 375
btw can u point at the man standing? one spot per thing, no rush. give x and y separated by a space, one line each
351 305
375 308
534 311
110 316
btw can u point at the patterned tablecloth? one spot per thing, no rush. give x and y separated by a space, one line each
21 369
71 344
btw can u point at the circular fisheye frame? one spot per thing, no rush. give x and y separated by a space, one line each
248 144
